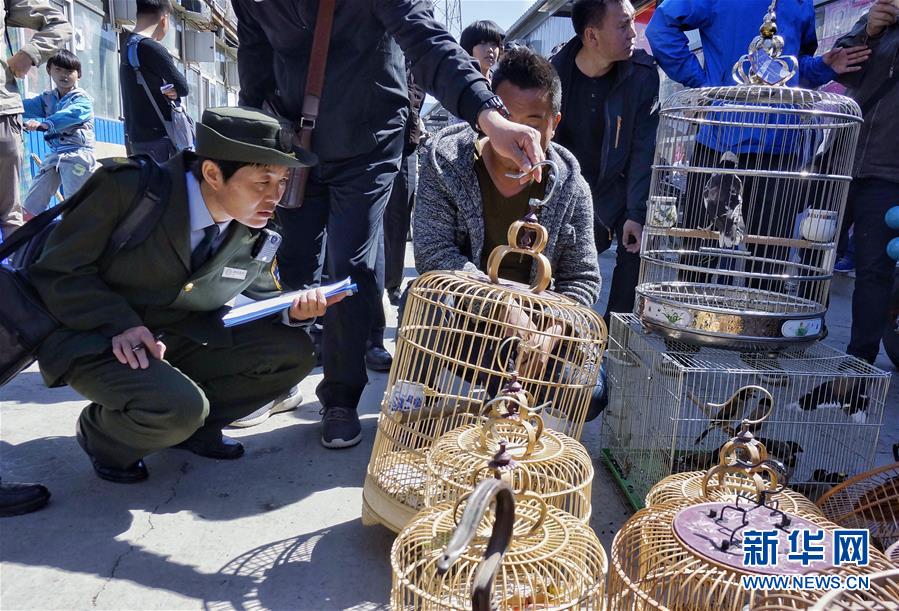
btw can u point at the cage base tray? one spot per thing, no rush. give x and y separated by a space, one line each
380 507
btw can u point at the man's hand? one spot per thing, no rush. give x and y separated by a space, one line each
882 15
19 64
312 304
514 141
33 125
132 346
631 235
847 59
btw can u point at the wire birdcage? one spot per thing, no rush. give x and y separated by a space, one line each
881 594
744 470
682 556
749 185
869 500
672 405
461 334
553 465
541 558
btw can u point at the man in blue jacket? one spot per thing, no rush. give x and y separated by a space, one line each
358 138
609 121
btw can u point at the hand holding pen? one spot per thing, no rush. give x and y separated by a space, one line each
132 347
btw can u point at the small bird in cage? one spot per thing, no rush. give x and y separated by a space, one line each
722 197
848 394
726 413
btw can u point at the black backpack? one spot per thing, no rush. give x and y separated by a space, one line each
24 320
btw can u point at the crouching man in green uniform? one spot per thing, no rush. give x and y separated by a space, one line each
141 334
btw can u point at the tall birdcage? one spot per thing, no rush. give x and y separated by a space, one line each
748 189
672 407
554 466
461 335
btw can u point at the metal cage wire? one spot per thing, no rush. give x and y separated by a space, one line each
665 416
460 337
738 247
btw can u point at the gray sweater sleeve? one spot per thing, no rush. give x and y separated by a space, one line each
434 225
576 271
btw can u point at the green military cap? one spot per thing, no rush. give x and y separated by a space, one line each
237 133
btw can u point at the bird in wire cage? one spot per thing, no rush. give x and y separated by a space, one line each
725 413
722 197
848 394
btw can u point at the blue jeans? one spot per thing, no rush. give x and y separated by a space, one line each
869 199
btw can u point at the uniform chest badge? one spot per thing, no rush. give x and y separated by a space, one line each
234 273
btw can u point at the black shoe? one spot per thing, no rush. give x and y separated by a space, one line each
393 296
378 359
224 448
340 427
16 499
131 474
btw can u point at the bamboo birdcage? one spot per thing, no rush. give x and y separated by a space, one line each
739 245
461 334
744 470
554 466
869 500
893 553
882 594
683 556
543 558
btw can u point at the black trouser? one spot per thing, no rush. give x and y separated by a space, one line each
627 268
343 209
396 222
869 199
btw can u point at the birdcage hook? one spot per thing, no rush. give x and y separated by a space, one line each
766 66
500 538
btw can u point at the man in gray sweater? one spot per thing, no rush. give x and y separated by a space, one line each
875 173
466 201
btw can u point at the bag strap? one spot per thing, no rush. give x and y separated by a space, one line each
134 62
33 227
315 83
152 194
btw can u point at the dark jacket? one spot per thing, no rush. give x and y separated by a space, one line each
142 124
876 154
364 101
94 304
622 187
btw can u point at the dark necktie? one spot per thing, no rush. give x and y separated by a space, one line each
204 248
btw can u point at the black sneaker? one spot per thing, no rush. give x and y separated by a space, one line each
340 427
18 499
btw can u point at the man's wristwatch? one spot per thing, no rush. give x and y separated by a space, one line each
495 103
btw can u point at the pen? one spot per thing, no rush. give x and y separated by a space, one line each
618 131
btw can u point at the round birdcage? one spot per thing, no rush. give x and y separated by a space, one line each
683 556
869 500
893 553
881 594
748 190
744 469
555 563
552 465
461 334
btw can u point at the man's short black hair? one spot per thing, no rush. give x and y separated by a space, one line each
589 13
527 69
228 168
481 31
65 60
154 8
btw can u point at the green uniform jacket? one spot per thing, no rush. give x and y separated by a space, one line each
150 285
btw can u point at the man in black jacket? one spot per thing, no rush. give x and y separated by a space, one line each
609 121
359 141
145 132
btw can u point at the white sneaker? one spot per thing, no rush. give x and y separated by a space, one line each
285 403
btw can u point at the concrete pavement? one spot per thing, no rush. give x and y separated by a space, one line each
277 529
